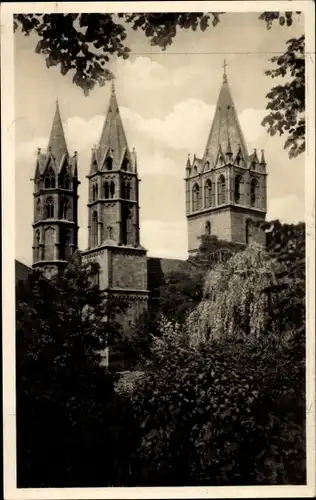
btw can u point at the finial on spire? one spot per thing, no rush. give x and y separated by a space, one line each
262 161
112 87
224 74
189 161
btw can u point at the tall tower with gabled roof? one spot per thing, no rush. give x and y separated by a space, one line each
225 189
113 215
55 226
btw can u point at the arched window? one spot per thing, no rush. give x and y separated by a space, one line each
49 243
221 190
112 189
66 183
95 229
106 190
109 163
94 192
50 180
208 193
195 170
65 241
49 208
65 210
238 191
125 164
37 245
207 165
38 208
195 197
38 184
126 190
126 225
253 192
208 228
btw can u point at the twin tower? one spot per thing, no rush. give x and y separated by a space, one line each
225 195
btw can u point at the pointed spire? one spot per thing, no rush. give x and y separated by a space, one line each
225 130
113 136
57 142
263 160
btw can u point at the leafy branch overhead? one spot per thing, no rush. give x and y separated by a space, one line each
287 102
84 44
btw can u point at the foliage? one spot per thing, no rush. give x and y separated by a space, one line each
84 43
180 293
286 244
287 102
233 300
200 409
68 413
240 388
161 28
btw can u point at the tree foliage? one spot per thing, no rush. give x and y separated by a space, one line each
68 414
200 409
241 389
234 302
286 102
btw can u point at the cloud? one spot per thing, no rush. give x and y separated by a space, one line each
143 72
287 209
165 239
162 146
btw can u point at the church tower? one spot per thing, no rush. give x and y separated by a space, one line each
226 192
113 215
55 227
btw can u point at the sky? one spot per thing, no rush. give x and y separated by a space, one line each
167 101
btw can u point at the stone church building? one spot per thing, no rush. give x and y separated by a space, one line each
225 193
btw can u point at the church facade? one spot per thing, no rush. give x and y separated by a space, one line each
225 195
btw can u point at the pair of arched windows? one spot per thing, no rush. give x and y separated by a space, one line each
65 212
49 208
108 189
50 179
126 190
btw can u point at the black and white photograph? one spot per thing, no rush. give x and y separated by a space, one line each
158 239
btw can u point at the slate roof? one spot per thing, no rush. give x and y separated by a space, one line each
113 139
225 130
57 142
22 271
